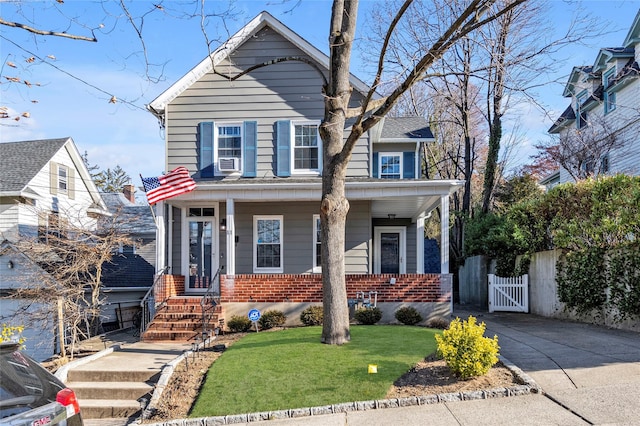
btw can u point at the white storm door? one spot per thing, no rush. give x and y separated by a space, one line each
390 250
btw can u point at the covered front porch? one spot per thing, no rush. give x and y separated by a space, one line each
217 228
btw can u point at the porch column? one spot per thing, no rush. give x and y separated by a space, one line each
160 237
230 268
444 234
420 244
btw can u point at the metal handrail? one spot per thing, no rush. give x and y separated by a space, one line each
208 303
148 302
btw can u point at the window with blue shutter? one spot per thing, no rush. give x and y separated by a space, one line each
283 147
250 149
205 149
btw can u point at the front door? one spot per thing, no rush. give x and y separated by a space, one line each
201 234
390 248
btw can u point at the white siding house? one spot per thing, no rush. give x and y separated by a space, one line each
40 181
605 96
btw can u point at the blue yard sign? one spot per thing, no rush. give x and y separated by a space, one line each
254 315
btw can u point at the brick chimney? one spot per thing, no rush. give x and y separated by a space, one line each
129 192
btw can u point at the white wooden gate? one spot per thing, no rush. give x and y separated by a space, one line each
508 294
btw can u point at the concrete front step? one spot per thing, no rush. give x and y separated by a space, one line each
106 408
93 375
170 336
106 390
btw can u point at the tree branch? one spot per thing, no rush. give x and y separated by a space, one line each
47 33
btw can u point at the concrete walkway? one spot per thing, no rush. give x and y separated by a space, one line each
588 374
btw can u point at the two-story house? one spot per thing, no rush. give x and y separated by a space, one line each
604 116
44 185
252 145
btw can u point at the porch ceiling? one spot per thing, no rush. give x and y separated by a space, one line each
403 198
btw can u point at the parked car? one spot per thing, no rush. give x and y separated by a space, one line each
30 395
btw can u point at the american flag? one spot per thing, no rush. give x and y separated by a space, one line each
176 182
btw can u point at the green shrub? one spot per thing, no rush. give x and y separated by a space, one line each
439 323
270 319
408 315
368 316
465 349
239 324
313 315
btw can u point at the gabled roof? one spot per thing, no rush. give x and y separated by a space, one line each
633 36
21 161
574 77
567 116
264 19
608 53
405 129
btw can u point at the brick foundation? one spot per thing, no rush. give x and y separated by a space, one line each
169 286
307 288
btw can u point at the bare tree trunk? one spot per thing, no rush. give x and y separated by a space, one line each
334 207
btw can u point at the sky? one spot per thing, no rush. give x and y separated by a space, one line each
78 80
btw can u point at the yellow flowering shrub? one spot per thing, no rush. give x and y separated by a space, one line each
466 350
9 332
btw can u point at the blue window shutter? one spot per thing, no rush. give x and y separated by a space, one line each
376 157
408 165
283 148
250 154
205 149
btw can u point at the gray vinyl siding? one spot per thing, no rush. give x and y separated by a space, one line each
284 91
298 235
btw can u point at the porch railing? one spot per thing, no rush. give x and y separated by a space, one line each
208 303
148 303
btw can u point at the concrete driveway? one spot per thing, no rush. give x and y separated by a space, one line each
592 371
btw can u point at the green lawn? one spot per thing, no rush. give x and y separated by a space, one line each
291 369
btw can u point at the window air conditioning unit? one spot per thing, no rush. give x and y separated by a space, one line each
229 164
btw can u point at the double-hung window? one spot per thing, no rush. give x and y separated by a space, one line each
317 244
390 165
609 96
306 147
267 250
63 179
228 146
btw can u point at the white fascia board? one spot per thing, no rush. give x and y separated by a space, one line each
312 191
158 105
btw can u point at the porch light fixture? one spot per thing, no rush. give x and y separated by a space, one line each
10 264
392 216
223 224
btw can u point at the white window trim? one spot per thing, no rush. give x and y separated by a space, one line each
390 154
378 230
216 156
316 227
608 106
308 172
256 269
64 190
580 99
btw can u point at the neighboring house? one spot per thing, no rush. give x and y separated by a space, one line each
252 145
42 183
605 96
129 274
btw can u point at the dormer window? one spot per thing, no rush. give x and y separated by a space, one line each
609 96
